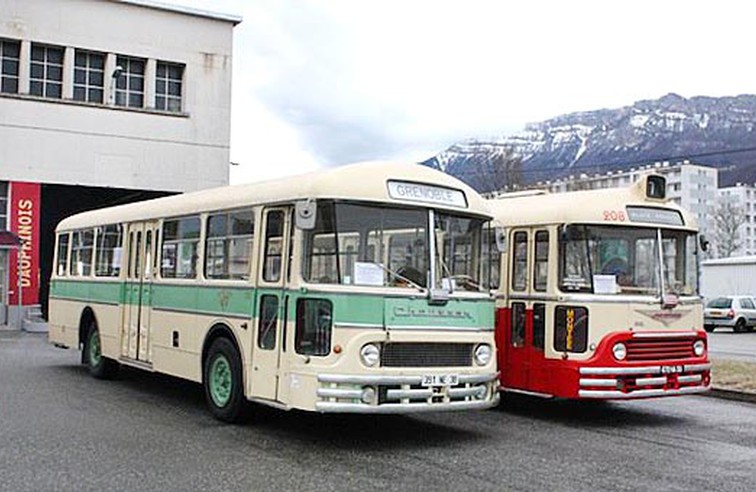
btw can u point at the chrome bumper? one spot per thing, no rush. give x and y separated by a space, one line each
342 393
652 378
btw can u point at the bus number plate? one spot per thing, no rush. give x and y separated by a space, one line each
671 369
440 380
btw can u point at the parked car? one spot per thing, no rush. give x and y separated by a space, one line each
736 312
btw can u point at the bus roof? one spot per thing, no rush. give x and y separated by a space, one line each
367 181
585 207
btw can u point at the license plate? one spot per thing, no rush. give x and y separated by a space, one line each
440 380
671 369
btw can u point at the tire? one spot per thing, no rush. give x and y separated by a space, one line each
100 367
222 380
709 328
740 326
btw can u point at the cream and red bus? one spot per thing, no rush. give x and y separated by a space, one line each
356 289
598 294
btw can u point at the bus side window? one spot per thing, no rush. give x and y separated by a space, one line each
313 331
518 324
541 261
62 259
266 330
539 325
274 229
520 261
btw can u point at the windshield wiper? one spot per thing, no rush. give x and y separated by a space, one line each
402 277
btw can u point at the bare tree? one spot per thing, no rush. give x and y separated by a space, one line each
728 217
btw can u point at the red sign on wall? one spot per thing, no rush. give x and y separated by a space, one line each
24 223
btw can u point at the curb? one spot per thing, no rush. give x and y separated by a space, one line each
733 395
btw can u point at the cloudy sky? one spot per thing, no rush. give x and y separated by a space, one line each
327 82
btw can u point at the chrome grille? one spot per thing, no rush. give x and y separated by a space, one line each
427 355
652 349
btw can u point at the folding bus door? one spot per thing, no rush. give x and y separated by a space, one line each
142 267
515 344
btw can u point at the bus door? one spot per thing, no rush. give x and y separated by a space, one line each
515 340
271 304
525 337
142 268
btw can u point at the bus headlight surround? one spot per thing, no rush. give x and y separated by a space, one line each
482 354
370 355
619 351
699 348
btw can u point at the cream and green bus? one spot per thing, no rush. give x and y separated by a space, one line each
358 289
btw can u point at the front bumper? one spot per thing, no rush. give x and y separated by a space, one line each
343 393
624 383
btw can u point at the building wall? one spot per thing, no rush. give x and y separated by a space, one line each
743 197
99 144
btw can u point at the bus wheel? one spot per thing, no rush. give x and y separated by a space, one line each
99 366
223 381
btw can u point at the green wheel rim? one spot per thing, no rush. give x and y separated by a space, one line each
95 354
220 381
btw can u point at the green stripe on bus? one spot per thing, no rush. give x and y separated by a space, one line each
348 308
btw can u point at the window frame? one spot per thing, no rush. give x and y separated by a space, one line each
46 81
89 72
6 77
226 239
195 261
122 96
164 97
113 270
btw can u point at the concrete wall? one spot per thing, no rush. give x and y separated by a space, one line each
67 142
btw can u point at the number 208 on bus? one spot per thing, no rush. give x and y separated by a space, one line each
356 289
597 296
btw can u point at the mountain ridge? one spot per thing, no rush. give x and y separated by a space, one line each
716 131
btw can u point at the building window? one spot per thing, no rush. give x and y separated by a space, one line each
168 86
130 82
89 76
9 59
3 205
46 76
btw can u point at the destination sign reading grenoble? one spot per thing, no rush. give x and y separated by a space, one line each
427 194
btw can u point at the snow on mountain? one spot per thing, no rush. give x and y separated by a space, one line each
702 129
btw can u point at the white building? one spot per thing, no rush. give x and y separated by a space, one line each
743 197
692 186
102 102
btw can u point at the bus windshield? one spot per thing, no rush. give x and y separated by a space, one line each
627 260
375 245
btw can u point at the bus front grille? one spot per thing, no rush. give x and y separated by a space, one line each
659 349
427 355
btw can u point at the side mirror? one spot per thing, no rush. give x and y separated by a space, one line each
305 213
500 234
703 242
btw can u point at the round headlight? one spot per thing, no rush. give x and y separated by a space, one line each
370 355
620 351
483 354
699 348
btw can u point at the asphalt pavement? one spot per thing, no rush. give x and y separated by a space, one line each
726 344
62 430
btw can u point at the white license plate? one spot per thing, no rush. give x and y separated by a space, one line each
440 380
671 369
